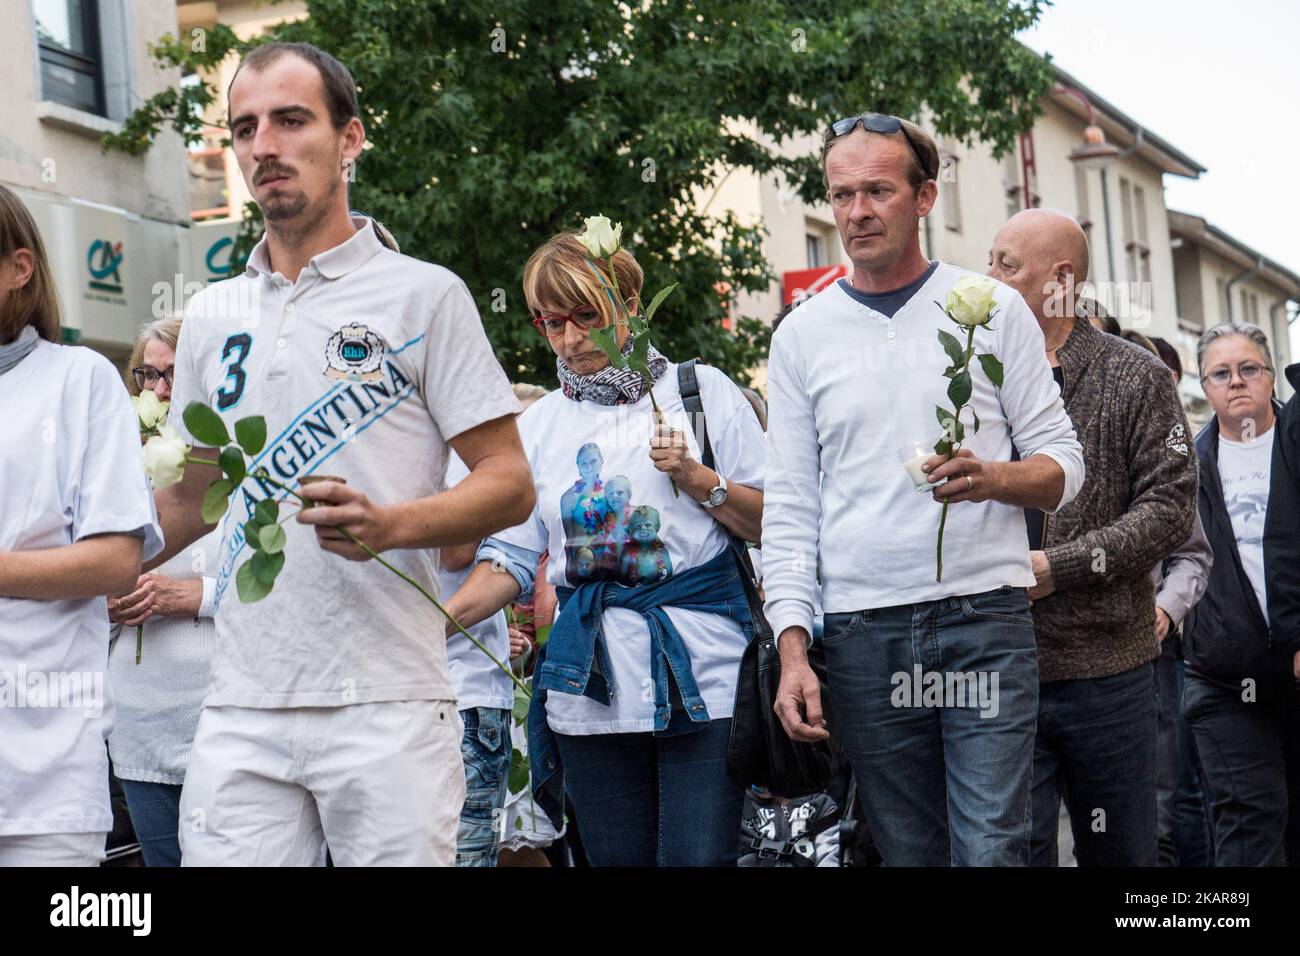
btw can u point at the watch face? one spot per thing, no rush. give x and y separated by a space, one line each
717 496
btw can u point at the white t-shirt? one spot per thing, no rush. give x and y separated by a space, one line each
1244 470
605 512
478 682
70 467
363 369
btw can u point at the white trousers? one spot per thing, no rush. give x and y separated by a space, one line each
52 849
381 784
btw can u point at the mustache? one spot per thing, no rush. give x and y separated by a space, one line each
270 171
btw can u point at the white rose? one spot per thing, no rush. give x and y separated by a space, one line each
601 237
164 458
151 412
971 300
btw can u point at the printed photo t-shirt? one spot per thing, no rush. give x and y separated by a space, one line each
1244 470
605 512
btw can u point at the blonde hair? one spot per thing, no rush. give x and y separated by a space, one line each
167 331
562 275
37 302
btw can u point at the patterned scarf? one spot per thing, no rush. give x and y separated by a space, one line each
19 348
610 386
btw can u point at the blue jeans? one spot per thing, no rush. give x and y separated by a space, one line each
485 748
155 816
645 799
1097 742
1182 805
944 778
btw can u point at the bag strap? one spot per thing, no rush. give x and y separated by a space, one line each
688 384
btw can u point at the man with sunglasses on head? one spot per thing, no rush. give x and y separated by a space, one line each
855 373
331 715
1094 605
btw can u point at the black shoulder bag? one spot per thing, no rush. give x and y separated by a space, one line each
759 751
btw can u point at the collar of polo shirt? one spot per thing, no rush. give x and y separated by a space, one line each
332 263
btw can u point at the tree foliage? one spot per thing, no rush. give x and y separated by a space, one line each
493 125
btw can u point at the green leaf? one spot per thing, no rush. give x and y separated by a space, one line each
543 632
253 532
205 425
231 461
992 368
215 500
251 434
975 419
250 587
658 300
953 347
518 779
522 703
267 511
943 447
272 539
267 566
943 415
959 389
605 340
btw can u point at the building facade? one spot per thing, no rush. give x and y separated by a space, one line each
114 226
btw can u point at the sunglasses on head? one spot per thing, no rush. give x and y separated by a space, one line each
880 123
551 324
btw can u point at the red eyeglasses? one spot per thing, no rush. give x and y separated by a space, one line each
551 324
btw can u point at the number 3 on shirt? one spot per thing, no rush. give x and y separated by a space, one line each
228 395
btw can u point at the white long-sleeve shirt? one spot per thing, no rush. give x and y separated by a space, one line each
847 387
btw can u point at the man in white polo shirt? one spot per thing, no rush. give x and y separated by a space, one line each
855 374
331 716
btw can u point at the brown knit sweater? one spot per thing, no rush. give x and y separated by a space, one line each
1136 506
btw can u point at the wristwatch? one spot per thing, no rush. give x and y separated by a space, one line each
717 495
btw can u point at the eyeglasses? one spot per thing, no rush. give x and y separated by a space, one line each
551 324
146 376
881 123
1248 372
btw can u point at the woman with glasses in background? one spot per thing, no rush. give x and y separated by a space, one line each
1238 688
159 696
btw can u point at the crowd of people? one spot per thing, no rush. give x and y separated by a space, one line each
1129 593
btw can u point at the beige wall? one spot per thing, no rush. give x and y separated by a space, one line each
60 155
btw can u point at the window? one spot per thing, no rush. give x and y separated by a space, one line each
1143 248
816 247
948 189
1011 183
1222 288
1126 224
67 33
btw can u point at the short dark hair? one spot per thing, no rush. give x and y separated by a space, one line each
339 88
1169 355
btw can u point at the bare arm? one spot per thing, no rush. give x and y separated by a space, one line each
92 567
1036 482
457 557
497 494
741 513
487 590
157 596
180 508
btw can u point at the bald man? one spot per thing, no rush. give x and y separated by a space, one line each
1093 605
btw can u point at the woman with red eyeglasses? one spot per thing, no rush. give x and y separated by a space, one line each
634 687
